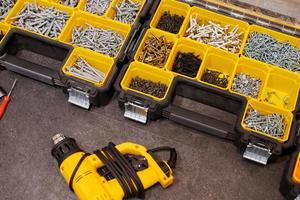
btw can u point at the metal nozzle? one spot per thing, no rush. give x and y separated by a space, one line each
58 138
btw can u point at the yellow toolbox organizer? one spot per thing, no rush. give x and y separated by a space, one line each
296 172
4 28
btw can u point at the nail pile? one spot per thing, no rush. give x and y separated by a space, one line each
126 11
155 51
82 69
156 89
215 34
100 40
47 21
170 23
71 3
97 7
5 6
273 124
246 85
267 49
187 64
215 77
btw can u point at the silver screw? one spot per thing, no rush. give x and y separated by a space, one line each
246 85
97 7
71 3
5 6
126 11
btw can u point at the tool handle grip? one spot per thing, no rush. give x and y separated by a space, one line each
4 105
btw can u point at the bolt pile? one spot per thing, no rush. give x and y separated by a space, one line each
215 77
82 69
156 89
187 64
265 48
246 85
99 40
273 124
71 3
126 11
97 7
47 21
170 23
5 6
215 34
155 51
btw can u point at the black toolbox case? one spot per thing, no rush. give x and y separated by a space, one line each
56 53
142 108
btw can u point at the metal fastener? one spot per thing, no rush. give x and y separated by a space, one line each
97 7
126 11
5 6
246 85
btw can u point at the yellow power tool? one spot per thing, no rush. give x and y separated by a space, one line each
115 172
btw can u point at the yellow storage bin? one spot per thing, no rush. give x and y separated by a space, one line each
253 69
204 16
267 109
21 4
221 61
82 6
281 90
98 61
4 28
156 33
112 12
296 172
174 7
187 46
82 19
144 71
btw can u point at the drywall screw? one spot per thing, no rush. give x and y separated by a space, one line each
246 85
99 40
267 49
71 3
126 11
5 6
97 7
215 34
47 21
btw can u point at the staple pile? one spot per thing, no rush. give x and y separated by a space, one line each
170 23
97 7
5 6
126 11
71 3
215 34
47 21
246 85
100 40
187 64
215 77
265 48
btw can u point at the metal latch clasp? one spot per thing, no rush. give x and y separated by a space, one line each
257 153
136 112
79 98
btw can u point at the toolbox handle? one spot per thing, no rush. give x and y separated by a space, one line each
131 42
134 45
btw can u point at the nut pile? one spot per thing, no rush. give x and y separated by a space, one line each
155 51
5 6
99 40
170 23
81 68
215 34
215 77
273 124
246 85
71 3
156 89
267 49
187 64
126 11
47 21
97 7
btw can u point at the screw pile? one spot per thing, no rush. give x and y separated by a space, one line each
265 48
215 78
187 64
273 124
81 68
247 85
99 40
5 6
126 11
47 21
156 89
215 34
170 23
71 3
97 7
155 51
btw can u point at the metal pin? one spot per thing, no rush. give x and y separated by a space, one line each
5 7
126 11
97 7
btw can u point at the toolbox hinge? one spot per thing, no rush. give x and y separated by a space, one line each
257 153
136 112
79 98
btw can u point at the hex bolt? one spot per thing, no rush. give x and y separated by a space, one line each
105 41
70 3
5 7
126 11
246 85
44 20
97 7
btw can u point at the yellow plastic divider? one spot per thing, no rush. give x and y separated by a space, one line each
174 7
82 19
296 172
267 109
100 62
219 60
252 68
281 90
204 16
4 28
21 4
147 72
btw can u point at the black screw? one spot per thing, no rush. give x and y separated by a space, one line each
187 64
170 23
